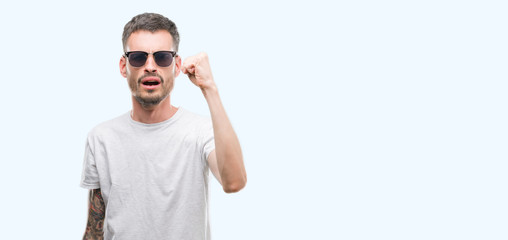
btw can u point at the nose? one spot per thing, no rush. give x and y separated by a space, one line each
150 65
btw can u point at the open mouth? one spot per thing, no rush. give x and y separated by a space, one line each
150 82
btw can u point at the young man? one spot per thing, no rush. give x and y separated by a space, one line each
147 170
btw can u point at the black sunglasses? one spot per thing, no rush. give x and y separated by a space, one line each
162 58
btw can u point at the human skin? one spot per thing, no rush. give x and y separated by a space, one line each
226 161
150 42
96 213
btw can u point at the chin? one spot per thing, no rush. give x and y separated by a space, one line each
149 101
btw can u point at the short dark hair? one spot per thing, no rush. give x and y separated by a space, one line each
151 22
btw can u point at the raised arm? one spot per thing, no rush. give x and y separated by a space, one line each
96 213
226 160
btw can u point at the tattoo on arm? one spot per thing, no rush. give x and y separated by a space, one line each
96 214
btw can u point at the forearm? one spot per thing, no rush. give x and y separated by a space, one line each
96 214
92 234
228 154
227 147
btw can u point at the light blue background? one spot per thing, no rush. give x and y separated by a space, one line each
358 119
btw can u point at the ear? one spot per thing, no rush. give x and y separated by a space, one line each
178 65
123 66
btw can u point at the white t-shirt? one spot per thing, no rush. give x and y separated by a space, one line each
153 177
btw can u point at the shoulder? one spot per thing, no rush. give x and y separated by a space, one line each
194 122
192 117
116 124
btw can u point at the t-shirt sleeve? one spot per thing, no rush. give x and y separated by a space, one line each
90 175
208 142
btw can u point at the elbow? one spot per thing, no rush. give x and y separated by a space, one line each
235 186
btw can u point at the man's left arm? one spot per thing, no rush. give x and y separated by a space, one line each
226 161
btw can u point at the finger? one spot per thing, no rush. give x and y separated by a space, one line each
192 77
188 66
185 70
189 60
190 70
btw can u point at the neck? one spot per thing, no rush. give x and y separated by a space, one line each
152 114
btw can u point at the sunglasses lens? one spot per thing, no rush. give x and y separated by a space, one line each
137 59
163 59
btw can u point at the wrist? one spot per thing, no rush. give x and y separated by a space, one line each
210 90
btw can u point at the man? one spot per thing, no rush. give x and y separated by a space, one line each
147 170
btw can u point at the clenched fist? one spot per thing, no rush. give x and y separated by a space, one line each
198 69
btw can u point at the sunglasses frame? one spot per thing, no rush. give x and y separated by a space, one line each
173 54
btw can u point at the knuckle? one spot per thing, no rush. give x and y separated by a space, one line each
203 55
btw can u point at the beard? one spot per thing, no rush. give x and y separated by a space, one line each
150 98
150 101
